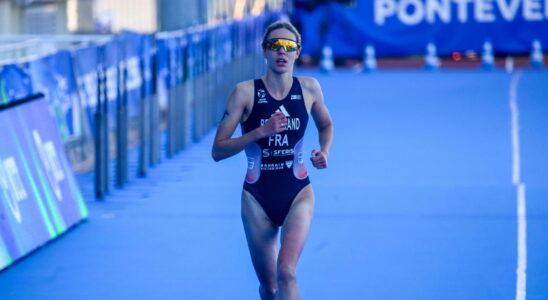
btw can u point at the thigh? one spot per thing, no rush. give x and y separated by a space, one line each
296 227
262 239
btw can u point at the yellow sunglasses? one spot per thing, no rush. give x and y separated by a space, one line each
276 44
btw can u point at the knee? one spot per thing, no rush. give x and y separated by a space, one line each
287 274
267 292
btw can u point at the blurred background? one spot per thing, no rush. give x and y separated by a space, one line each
438 180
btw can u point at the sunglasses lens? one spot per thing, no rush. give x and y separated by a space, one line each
288 45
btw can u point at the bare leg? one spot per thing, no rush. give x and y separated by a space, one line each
262 240
294 233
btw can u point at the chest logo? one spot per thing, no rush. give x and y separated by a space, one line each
262 96
296 97
282 110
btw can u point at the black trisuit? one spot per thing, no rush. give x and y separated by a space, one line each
275 165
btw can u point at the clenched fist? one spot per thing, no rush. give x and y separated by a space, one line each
276 124
319 159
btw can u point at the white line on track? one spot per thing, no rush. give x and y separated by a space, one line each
521 280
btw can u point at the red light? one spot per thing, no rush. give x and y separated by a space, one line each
456 56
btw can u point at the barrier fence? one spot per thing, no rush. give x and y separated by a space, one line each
128 91
148 93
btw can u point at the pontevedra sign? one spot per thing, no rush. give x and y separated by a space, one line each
412 12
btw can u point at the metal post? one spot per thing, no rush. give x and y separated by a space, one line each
121 124
99 188
105 136
154 113
101 132
143 128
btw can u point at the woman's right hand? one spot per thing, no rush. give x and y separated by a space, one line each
275 124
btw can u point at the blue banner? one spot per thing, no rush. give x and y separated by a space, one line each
132 54
405 27
15 84
162 71
85 68
63 72
45 81
147 51
191 56
111 61
174 61
197 53
224 45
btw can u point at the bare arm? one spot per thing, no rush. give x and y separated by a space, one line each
224 145
323 122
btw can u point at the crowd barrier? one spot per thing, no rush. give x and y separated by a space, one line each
153 92
129 91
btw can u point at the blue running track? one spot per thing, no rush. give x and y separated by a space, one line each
418 202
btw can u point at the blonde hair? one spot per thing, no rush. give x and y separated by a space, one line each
279 25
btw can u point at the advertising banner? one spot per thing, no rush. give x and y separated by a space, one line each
85 67
63 72
111 60
162 71
405 27
174 65
5 256
39 197
15 83
196 53
224 45
131 56
190 56
44 81
147 52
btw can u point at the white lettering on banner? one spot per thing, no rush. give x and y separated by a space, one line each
508 11
384 9
112 83
531 10
49 157
440 8
462 12
121 68
12 186
133 80
89 81
413 12
483 11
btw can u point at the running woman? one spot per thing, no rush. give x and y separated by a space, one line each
273 113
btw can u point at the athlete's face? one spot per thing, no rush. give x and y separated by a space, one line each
281 60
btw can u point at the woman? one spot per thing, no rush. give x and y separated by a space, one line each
273 112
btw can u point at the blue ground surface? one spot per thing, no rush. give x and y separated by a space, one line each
417 203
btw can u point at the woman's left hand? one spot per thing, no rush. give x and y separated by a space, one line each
319 159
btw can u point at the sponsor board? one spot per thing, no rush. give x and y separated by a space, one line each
39 197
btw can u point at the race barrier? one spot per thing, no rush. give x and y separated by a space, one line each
129 91
98 101
39 196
